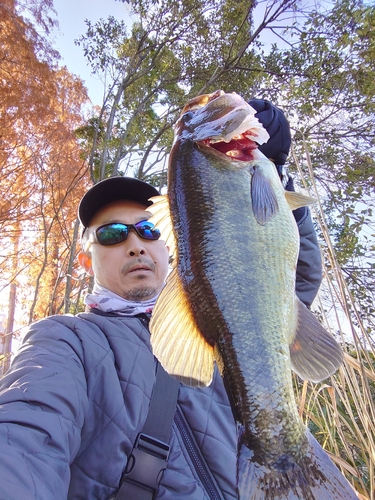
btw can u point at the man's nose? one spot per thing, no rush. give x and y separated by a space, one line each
135 245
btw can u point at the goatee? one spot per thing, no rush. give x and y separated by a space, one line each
140 293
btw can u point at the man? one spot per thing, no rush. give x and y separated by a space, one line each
78 392
79 389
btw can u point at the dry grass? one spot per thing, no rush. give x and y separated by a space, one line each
341 410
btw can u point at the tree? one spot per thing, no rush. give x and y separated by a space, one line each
330 92
42 172
175 51
321 75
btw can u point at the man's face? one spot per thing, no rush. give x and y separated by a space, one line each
134 269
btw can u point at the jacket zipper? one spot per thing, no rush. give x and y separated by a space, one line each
196 457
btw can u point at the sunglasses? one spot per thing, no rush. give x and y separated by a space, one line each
116 232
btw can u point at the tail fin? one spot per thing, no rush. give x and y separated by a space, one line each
315 477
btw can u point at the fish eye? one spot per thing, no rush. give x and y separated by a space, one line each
186 117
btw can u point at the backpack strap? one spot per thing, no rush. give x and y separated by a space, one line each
149 456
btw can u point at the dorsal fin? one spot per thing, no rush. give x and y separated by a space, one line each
161 217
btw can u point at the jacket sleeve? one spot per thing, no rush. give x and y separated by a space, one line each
42 406
309 264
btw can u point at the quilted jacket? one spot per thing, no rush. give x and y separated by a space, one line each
77 395
309 265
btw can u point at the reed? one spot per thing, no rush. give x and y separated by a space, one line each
340 411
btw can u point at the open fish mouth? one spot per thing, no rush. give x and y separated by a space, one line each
239 148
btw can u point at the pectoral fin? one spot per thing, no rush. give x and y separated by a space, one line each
298 200
176 340
161 217
264 200
314 353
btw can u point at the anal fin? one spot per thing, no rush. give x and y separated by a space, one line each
314 353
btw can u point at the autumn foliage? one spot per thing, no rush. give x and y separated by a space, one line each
41 166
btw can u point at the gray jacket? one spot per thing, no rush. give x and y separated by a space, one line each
77 395
309 265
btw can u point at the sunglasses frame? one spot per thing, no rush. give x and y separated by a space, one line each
93 238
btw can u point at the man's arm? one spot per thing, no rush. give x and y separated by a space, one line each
309 264
42 407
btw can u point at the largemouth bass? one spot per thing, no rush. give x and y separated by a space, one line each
231 297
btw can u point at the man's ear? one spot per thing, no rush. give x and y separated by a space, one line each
84 259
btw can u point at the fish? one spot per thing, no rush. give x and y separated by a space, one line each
230 297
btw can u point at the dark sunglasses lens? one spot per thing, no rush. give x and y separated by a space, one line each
112 234
147 230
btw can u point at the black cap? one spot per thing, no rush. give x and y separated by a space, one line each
113 189
273 119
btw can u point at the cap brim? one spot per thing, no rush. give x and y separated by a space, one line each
113 189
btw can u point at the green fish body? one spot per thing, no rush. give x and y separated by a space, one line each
231 298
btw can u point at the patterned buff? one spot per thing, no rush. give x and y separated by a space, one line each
107 301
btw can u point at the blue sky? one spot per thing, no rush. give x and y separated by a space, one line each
71 15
